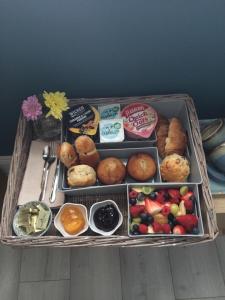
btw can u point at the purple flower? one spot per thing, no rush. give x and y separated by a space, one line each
31 108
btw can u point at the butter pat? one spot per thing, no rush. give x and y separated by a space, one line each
111 131
111 111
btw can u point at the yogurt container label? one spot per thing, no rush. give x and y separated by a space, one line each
140 120
111 111
111 131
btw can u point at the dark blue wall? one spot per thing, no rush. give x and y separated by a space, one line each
110 47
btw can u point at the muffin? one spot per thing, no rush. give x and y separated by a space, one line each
175 168
67 154
81 175
85 147
141 166
111 170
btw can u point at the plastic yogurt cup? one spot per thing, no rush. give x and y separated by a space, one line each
111 131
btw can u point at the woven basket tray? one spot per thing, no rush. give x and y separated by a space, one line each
17 168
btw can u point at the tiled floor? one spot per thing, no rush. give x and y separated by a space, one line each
196 272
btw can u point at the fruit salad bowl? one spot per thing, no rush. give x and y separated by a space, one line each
165 210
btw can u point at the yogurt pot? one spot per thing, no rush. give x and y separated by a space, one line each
213 135
111 111
111 131
140 120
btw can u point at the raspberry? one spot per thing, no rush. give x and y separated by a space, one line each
160 197
143 229
175 201
165 211
133 194
157 227
189 205
166 228
135 210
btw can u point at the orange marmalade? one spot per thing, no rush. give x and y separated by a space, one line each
72 219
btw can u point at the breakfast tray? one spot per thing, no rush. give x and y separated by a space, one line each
17 169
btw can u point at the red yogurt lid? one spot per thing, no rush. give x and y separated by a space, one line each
139 119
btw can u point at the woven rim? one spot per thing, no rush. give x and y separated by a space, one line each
18 165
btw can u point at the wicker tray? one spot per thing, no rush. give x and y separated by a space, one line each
17 168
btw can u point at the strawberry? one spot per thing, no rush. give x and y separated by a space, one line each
189 205
178 229
152 207
160 197
135 210
187 196
157 227
143 229
133 194
166 228
166 210
175 201
188 222
174 193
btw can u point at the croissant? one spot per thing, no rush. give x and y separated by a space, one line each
162 129
171 137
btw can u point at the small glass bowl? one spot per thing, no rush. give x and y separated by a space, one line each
93 209
19 231
59 226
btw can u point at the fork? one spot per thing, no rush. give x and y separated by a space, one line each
51 158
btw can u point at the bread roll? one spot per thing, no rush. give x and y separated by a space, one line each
84 144
111 170
86 150
175 168
81 175
141 166
67 154
91 158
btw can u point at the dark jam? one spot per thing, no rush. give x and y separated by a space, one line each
106 218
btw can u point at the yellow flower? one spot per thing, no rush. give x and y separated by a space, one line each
56 102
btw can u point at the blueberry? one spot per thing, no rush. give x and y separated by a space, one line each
170 217
140 197
132 201
150 219
152 195
175 222
135 227
171 224
146 218
166 197
195 230
143 217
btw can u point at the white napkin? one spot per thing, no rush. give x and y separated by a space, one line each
31 185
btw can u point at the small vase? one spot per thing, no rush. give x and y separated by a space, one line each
47 128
